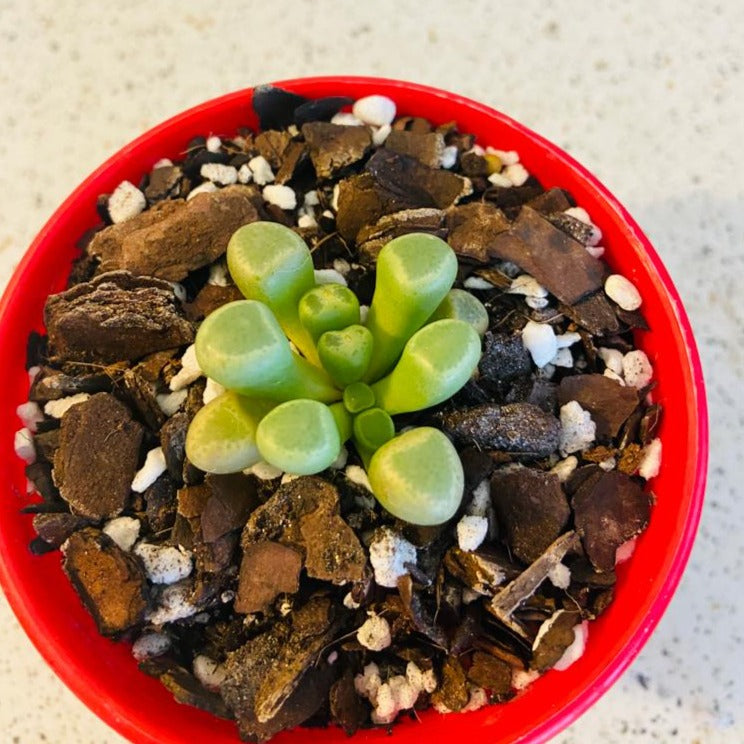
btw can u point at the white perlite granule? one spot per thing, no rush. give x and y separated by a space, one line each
358 476
218 274
209 672
153 468
203 188
499 180
126 202
471 532
528 286
448 158
164 564
507 157
564 468
625 551
211 390
306 221
224 175
264 471
523 678
637 369
576 649
245 175
578 430
329 276
30 414
477 282
169 403
174 604
622 291
262 173
190 370
58 408
23 444
375 110
380 134
539 339
516 173
124 531
150 645
397 693
283 197
213 143
374 633
613 359
388 554
650 459
346 119
560 576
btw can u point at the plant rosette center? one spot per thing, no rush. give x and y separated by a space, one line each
303 374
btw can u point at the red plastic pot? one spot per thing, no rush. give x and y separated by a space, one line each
105 676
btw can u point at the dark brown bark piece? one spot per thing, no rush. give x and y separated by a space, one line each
517 428
473 228
55 528
347 708
334 147
595 313
453 690
171 241
113 317
556 635
110 582
504 358
531 510
561 264
268 570
272 145
491 673
484 571
173 442
160 504
608 511
210 297
427 147
234 497
608 402
97 457
143 382
550 201
373 238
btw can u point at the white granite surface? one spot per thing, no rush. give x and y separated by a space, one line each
648 95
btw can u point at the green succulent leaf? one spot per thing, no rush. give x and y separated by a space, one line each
272 264
328 307
343 419
418 477
459 304
345 354
299 436
436 362
222 435
414 273
241 346
358 397
372 428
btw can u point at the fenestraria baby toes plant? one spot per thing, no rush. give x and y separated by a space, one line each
303 374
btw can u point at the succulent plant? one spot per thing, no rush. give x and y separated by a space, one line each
304 375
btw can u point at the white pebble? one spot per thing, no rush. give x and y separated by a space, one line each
58 408
523 678
311 198
218 274
380 134
368 682
350 603
576 649
265 471
477 282
507 157
478 698
30 414
564 468
306 221
174 604
595 251
282 196
219 173
346 119
190 370
342 266
375 110
651 459
23 444
262 173
358 476
245 175
537 303
153 468
169 403
374 633
340 462
388 554
203 188
563 358
607 464
150 645
164 564
578 430
124 531
497 179
528 286
329 276
404 693
578 213
480 504
623 292
614 376
516 173
539 340
213 143
126 202
471 532
448 158
560 576
564 340
637 369
209 672
613 359
212 390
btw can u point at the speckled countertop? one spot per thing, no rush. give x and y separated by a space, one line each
647 95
